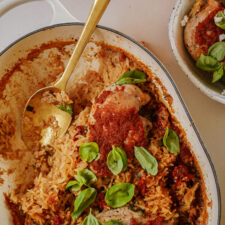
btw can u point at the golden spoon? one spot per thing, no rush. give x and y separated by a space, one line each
43 111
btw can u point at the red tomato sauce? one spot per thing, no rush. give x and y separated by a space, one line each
100 200
142 186
126 131
207 33
133 221
161 116
101 99
57 220
157 221
79 130
181 174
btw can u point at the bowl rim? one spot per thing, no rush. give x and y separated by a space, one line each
204 89
164 70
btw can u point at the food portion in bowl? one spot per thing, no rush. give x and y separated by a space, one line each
124 160
204 36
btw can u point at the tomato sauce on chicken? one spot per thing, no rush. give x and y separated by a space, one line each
207 33
115 125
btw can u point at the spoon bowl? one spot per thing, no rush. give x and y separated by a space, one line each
39 114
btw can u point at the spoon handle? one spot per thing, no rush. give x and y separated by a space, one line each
95 14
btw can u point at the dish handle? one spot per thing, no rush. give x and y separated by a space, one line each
60 13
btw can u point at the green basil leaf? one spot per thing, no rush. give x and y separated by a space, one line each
90 220
217 75
74 185
131 77
83 200
207 63
67 108
119 194
115 161
113 222
171 141
147 161
89 151
124 157
217 51
219 19
86 177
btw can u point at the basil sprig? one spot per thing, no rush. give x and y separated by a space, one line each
117 160
90 220
119 194
67 108
217 51
89 151
83 200
218 74
219 19
74 185
131 77
171 141
113 222
212 62
86 177
207 63
83 177
124 157
147 161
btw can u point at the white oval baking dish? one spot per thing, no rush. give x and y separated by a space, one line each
66 31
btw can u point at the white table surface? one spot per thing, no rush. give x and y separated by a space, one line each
143 20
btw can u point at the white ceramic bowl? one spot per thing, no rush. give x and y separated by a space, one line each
199 78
